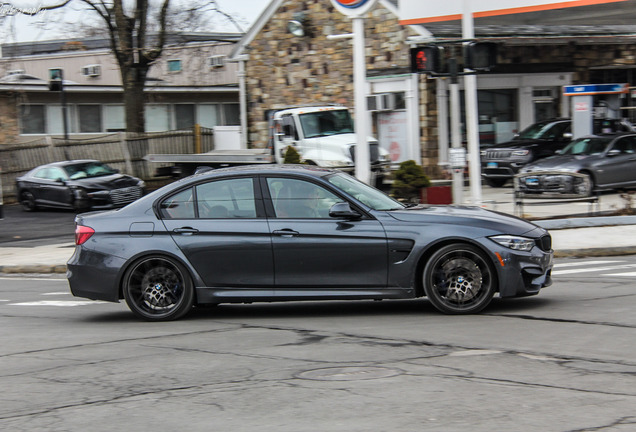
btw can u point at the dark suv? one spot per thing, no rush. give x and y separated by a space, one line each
501 162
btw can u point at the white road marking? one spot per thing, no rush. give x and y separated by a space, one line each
632 274
57 303
584 263
57 293
592 269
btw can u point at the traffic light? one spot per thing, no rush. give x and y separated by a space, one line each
426 59
480 55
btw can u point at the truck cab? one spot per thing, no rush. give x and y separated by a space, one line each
323 136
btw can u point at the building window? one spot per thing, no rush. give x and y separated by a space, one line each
56 73
157 118
174 65
32 119
184 116
89 118
114 118
232 114
207 115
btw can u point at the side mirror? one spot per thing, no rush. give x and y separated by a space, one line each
613 152
343 210
60 180
567 136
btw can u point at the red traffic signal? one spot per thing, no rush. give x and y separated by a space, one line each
425 59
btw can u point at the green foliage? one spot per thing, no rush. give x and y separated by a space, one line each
409 179
291 156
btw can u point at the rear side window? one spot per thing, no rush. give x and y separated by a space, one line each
225 199
178 206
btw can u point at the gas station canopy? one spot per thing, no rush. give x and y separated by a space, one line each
521 12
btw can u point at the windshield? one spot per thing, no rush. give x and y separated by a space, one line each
535 131
88 169
323 123
367 195
586 146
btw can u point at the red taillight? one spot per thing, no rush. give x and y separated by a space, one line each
83 233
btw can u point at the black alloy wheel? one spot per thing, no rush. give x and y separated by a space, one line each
158 288
459 280
28 201
583 186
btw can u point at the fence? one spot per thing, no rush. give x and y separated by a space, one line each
123 151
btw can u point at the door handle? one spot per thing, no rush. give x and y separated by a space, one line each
185 230
286 233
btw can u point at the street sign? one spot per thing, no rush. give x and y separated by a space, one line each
457 157
595 89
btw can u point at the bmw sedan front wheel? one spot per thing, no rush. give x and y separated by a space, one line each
158 288
459 280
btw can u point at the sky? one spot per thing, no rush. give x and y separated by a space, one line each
47 25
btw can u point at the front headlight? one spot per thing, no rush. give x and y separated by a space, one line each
141 184
335 163
521 152
514 242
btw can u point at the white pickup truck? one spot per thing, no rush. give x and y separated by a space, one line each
322 135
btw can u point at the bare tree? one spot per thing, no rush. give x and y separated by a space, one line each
138 35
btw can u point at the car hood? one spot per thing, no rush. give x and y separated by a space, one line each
522 143
108 182
569 163
465 216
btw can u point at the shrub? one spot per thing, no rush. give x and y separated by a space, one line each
291 156
409 179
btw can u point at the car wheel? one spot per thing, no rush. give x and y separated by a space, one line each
458 280
583 186
28 201
157 288
496 183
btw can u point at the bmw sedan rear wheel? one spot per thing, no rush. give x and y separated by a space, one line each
459 280
158 288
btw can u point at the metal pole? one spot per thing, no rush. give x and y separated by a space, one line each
472 123
456 135
362 163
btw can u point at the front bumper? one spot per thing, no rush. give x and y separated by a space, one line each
522 273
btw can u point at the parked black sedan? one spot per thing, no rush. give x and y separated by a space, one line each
289 232
598 162
79 185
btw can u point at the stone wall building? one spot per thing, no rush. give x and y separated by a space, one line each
533 64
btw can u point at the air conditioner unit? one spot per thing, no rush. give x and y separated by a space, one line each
216 61
381 102
374 103
92 70
16 72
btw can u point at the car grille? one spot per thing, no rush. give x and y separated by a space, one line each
498 154
374 152
545 243
124 196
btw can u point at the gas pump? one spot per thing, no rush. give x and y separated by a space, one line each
595 107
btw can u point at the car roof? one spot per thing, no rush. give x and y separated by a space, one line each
310 170
70 162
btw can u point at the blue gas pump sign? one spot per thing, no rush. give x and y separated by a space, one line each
595 89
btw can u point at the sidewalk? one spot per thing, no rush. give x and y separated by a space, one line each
571 236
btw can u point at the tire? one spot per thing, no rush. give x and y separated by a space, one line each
584 186
496 182
28 201
157 288
459 280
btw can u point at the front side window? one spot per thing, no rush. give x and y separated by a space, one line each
364 193
586 146
225 199
294 198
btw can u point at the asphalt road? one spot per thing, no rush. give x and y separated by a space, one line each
561 361
36 228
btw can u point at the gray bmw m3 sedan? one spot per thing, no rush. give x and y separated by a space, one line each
283 233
